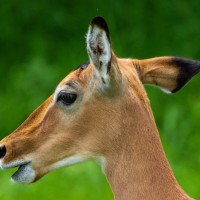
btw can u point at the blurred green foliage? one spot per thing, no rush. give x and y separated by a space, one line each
42 41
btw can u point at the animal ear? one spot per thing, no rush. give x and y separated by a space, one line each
100 53
169 73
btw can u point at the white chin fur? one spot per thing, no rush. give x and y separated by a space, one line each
1 164
72 160
25 174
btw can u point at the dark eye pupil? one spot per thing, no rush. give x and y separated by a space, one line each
67 98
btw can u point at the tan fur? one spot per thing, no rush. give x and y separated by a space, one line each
111 118
120 128
154 72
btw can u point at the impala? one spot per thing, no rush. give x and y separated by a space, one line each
101 111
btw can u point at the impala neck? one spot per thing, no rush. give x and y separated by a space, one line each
139 168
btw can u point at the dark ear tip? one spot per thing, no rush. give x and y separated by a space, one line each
100 22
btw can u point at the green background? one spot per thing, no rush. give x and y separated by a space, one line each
42 41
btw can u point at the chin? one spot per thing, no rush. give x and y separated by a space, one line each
25 174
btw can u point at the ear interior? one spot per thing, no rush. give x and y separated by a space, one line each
99 47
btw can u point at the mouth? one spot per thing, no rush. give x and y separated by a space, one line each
25 174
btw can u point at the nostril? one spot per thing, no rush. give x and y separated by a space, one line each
2 151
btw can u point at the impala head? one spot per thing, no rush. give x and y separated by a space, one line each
86 116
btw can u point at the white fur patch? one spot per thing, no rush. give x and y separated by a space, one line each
1 160
102 162
78 159
165 90
68 161
13 164
58 89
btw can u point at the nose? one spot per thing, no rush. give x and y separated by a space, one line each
2 151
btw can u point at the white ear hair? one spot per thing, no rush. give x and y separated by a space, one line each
99 48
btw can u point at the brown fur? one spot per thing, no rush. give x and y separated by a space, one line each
123 131
117 124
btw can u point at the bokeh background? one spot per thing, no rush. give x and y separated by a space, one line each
42 41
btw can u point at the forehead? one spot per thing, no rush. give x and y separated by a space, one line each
83 66
79 75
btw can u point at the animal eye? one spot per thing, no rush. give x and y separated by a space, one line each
66 98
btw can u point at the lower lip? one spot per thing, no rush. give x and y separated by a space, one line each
25 174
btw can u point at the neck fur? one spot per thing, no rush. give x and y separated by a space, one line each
139 168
